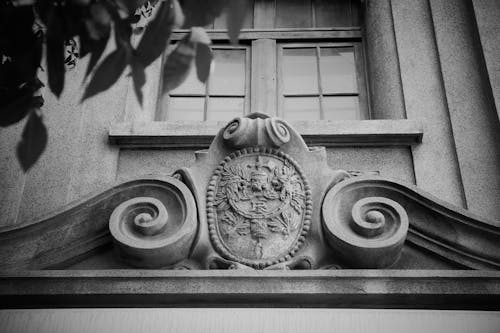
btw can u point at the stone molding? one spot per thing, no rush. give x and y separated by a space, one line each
466 290
352 221
179 134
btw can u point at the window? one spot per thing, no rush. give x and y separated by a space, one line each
225 96
298 59
319 81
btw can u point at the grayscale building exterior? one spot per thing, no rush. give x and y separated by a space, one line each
404 96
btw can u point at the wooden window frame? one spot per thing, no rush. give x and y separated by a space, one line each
264 22
162 114
360 73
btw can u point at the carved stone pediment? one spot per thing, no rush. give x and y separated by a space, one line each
258 198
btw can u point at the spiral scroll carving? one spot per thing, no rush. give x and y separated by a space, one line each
368 234
244 132
149 234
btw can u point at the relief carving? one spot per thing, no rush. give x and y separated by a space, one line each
258 207
259 198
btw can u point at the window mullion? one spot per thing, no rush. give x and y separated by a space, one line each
263 77
207 93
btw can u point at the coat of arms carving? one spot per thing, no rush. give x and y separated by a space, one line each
258 207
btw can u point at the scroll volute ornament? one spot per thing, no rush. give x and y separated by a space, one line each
366 232
153 233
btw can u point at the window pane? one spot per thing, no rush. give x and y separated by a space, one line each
300 71
191 85
293 14
224 108
338 72
220 22
301 108
331 13
228 77
185 108
341 108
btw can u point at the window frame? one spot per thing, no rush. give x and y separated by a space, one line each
264 21
360 73
162 113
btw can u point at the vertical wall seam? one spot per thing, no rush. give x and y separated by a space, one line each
447 106
401 90
482 60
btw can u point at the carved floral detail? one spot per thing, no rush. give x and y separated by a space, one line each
258 207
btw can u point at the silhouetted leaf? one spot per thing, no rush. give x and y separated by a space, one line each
157 34
108 72
19 108
98 23
203 61
237 10
200 13
96 48
33 141
177 65
55 51
139 78
199 35
131 5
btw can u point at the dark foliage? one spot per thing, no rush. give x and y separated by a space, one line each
25 25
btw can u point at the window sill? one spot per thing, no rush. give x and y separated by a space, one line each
195 135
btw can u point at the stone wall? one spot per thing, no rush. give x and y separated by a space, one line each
433 61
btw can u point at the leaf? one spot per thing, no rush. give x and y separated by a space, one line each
236 15
96 48
139 78
200 13
99 22
203 61
18 109
176 68
55 51
131 5
157 34
33 141
108 72
199 35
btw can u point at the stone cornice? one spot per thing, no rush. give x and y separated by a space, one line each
182 134
467 290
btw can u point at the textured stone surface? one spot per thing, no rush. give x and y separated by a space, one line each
331 288
475 124
46 185
121 320
133 163
435 161
488 22
387 101
199 134
12 177
395 163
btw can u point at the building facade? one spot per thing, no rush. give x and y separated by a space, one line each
405 91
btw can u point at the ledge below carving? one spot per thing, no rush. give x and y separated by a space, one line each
195 135
465 290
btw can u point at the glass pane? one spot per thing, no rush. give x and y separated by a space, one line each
355 12
191 85
228 77
185 108
338 71
333 13
341 108
293 14
300 74
224 108
301 108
